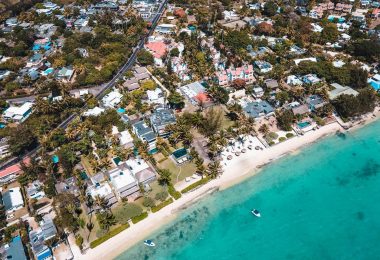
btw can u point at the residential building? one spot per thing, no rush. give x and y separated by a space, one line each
158 49
12 200
96 111
65 74
69 186
9 174
13 250
123 182
293 80
262 67
311 59
300 109
37 241
141 170
271 84
35 190
102 190
311 79
4 148
226 77
4 74
35 60
112 99
195 92
314 102
166 28
375 82
340 90
160 119
258 109
258 92
155 97
18 114
145 134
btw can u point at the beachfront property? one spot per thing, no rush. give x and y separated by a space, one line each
299 109
102 190
262 67
12 200
18 114
257 109
314 102
13 250
161 118
141 170
145 134
112 99
123 182
340 90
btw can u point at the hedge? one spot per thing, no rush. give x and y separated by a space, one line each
195 184
139 217
110 234
162 205
175 194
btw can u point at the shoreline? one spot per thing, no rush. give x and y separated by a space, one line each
238 169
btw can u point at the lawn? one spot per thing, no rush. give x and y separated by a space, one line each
179 172
86 164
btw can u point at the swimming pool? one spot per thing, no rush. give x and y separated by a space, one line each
302 125
121 110
116 160
48 71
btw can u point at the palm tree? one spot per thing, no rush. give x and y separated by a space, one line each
214 168
264 129
165 177
106 220
90 227
101 202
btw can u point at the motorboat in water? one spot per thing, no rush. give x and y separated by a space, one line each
256 213
149 243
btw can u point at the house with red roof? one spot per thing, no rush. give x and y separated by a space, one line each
158 49
10 173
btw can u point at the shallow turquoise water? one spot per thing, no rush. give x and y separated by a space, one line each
323 203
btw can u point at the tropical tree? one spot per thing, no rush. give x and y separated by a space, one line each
214 168
165 177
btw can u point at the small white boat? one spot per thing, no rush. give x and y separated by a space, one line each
256 213
149 243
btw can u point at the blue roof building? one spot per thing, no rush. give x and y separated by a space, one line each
258 109
14 250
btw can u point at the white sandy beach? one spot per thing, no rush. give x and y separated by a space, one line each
236 170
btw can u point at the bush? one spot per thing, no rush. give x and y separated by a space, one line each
79 241
110 234
162 205
281 139
195 184
271 143
161 196
140 217
272 136
289 135
319 121
126 212
148 202
174 193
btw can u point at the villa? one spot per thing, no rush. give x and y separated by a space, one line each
166 28
18 114
195 92
65 74
258 109
375 82
311 79
155 97
96 111
226 77
160 119
315 102
39 237
112 99
102 190
141 170
293 80
340 90
12 200
145 134
123 182
35 190
14 249
158 49
262 67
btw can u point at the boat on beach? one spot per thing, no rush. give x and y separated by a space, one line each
256 213
149 243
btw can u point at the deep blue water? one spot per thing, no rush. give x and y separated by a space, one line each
323 203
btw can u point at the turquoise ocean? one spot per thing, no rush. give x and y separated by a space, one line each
321 203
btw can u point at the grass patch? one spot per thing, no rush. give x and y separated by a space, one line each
140 217
195 185
110 234
174 193
185 170
86 164
162 205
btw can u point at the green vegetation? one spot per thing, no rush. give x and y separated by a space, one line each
162 205
195 185
139 217
173 192
125 212
109 235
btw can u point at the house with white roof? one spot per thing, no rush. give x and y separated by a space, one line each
123 182
141 170
96 111
311 79
102 190
112 99
166 28
155 97
126 139
293 80
35 190
311 59
12 200
18 114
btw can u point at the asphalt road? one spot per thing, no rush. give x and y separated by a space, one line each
105 87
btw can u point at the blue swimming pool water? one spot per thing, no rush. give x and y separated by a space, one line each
302 125
121 110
